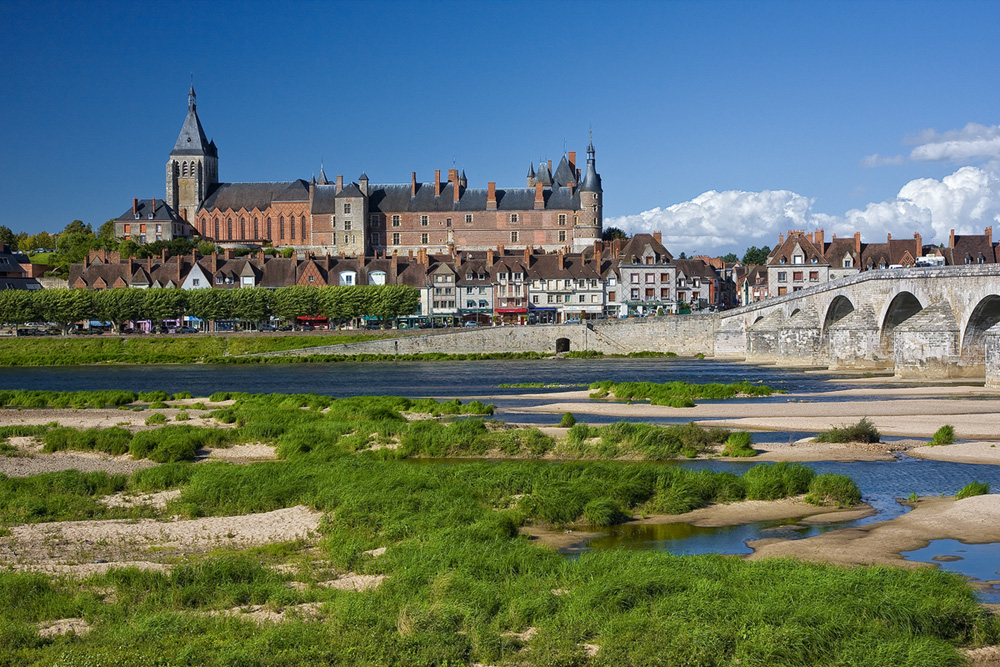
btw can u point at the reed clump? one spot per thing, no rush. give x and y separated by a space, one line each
863 431
973 489
676 394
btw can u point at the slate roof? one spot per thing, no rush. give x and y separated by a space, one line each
695 268
564 173
162 212
787 249
255 195
396 198
636 246
972 247
192 139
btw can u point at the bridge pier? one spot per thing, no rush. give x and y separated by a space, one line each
762 338
854 342
731 340
992 363
800 339
926 345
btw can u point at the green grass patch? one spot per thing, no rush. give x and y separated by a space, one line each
973 489
836 490
641 441
739 445
676 394
944 435
863 431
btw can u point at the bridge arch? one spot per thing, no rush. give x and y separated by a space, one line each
562 345
984 315
838 309
902 307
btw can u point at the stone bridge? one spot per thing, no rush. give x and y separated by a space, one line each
919 322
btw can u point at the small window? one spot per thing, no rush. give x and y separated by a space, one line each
562 235
373 220
195 282
395 238
347 227
782 276
424 238
562 219
847 262
375 239
447 222
796 259
514 219
347 207
468 218
424 220
782 260
814 260
513 237
395 221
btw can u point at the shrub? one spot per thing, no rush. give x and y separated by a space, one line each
830 489
182 417
153 396
944 435
770 482
739 444
114 441
567 421
156 418
973 489
181 395
863 431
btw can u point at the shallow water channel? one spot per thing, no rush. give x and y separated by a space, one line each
880 482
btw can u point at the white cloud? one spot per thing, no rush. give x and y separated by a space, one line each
876 160
967 200
974 141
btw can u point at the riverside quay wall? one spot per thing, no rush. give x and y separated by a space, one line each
921 323
683 335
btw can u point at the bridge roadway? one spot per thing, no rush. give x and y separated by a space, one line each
920 322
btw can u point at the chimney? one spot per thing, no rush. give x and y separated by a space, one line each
163 256
489 257
781 238
491 196
560 259
152 208
658 236
919 242
86 260
409 255
989 234
820 241
527 255
951 239
857 243
135 206
413 184
437 182
215 262
340 184
539 197
131 267
149 264
550 166
180 269
577 175
500 250
616 248
888 237
598 251
571 158
456 186
394 268
229 254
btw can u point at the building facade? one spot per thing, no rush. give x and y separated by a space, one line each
557 209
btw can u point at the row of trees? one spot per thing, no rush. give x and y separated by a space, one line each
65 307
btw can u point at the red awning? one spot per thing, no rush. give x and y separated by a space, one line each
512 311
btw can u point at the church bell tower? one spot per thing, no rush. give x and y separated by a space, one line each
193 167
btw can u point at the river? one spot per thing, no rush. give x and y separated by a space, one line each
880 482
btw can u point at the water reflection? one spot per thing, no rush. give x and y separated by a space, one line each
976 561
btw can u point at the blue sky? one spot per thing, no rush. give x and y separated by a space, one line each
720 123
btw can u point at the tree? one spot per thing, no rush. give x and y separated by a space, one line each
251 304
64 306
730 258
163 303
17 307
296 301
612 233
392 301
78 227
755 255
106 235
683 255
7 236
118 306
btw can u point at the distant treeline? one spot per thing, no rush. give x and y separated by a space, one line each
65 307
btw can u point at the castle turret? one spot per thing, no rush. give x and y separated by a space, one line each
589 224
193 167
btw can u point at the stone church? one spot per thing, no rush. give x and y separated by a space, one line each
558 208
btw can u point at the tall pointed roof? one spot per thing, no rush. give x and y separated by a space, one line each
543 175
531 170
192 139
564 174
591 181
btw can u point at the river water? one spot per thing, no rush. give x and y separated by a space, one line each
880 482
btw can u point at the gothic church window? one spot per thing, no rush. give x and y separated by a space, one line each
281 226
303 222
269 227
216 235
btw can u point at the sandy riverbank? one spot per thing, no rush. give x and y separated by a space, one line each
973 520
915 412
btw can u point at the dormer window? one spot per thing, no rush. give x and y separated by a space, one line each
136 216
150 217
980 260
796 259
968 260
782 260
815 260
847 262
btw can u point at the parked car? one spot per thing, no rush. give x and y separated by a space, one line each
266 327
186 330
471 323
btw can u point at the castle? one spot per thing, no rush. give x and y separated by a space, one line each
560 209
